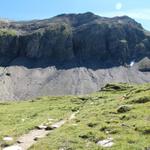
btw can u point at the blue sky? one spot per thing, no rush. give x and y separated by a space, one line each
40 9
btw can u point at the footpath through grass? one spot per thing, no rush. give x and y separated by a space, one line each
17 118
119 111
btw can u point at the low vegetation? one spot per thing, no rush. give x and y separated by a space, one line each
8 32
119 111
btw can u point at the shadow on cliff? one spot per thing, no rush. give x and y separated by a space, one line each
31 63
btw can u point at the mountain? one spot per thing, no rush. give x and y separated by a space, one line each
71 54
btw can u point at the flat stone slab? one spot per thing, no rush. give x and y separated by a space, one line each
7 138
106 143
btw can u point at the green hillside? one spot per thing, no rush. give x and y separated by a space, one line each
119 111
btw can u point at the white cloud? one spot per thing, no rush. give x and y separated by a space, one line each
140 15
143 14
118 6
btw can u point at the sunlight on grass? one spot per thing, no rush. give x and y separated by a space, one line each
98 119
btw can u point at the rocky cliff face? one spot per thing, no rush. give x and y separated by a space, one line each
70 41
80 37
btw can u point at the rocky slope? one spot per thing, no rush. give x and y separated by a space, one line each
71 54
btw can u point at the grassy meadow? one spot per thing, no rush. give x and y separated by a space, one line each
119 111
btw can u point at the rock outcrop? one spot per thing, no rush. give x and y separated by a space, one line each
81 37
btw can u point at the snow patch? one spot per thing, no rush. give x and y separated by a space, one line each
132 63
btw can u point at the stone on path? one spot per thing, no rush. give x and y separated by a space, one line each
58 124
40 127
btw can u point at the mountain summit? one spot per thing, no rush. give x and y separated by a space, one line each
71 54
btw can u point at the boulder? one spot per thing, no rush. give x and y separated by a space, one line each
123 109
